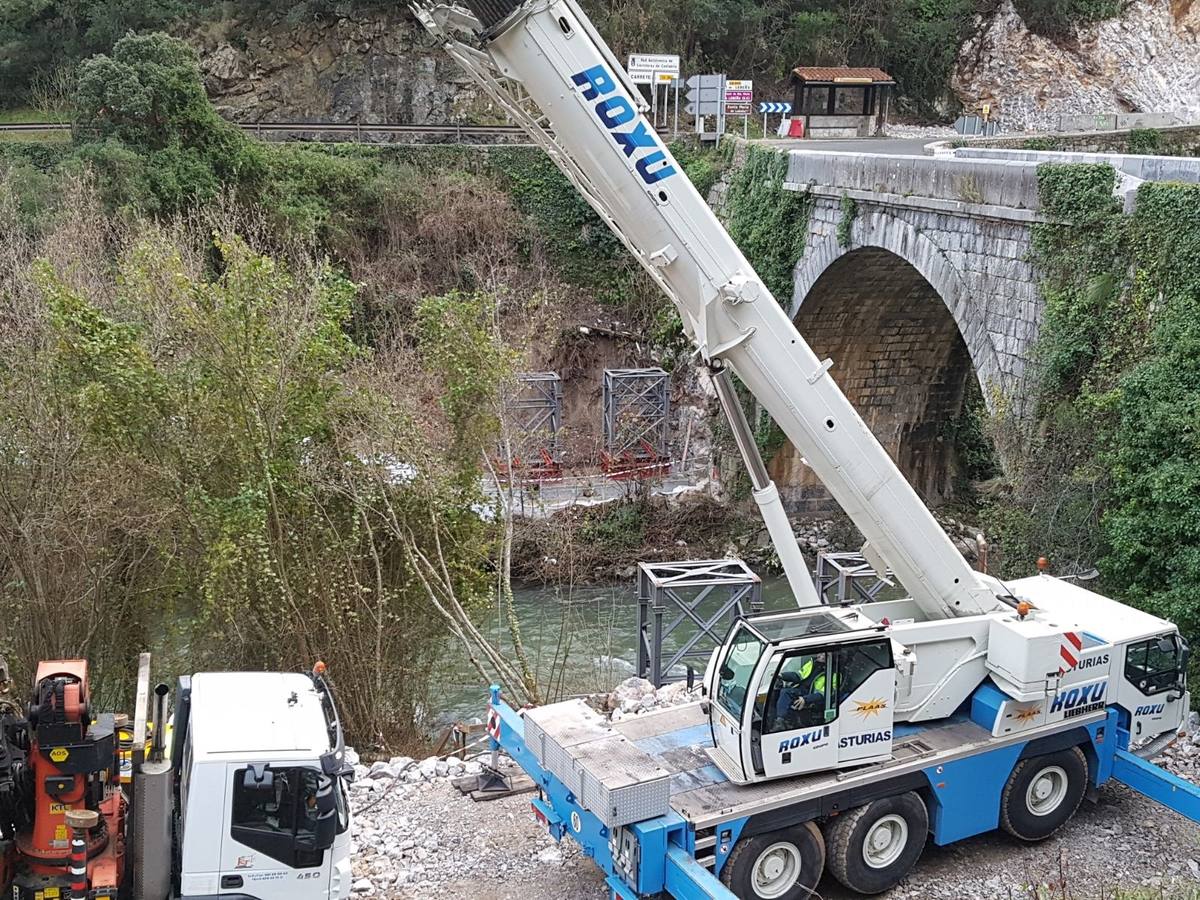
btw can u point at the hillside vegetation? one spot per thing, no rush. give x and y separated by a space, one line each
248 391
917 41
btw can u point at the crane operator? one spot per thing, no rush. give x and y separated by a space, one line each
800 702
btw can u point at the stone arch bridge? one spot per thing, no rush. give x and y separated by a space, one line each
917 278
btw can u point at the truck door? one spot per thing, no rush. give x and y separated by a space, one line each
797 713
269 849
827 706
1154 686
732 696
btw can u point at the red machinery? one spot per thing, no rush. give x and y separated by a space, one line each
59 759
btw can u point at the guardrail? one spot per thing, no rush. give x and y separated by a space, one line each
361 131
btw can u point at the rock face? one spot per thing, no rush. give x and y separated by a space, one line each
1148 60
374 67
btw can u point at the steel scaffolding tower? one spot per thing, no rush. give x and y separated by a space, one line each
636 426
534 414
685 609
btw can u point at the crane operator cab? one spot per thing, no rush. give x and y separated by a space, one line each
800 692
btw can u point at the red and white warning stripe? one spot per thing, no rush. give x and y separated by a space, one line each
1069 650
493 724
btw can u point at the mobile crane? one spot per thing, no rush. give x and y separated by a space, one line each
248 802
828 737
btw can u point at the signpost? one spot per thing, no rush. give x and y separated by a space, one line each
654 69
706 97
778 108
739 101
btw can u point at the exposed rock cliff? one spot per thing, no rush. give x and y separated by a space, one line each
382 67
375 67
1148 60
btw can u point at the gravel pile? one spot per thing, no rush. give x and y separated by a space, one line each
416 837
422 838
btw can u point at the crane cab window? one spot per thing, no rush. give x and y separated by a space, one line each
275 812
810 685
736 670
800 692
1154 666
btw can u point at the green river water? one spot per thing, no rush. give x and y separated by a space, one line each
596 627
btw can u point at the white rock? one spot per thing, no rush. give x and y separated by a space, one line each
550 855
633 688
428 768
363 886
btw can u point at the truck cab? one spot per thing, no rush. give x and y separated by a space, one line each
801 692
263 811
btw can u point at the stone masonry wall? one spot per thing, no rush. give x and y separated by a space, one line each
920 299
901 360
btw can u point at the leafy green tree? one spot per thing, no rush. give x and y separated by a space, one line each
148 98
1057 18
38 36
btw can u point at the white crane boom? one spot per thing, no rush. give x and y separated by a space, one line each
544 62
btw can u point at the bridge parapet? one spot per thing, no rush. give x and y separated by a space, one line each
1147 168
989 188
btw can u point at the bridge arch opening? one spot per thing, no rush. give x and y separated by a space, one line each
900 357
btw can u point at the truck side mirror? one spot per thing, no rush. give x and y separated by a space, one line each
325 827
258 778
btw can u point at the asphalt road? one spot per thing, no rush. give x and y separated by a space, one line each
886 146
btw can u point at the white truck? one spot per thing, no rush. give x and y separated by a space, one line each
842 736
249 803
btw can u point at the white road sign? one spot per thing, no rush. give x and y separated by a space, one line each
645 68
739 97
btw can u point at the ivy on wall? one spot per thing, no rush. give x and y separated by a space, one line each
1111 474
846 223
769 224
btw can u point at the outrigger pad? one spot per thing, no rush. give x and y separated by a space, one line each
493 781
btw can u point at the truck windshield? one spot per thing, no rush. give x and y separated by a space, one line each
736 669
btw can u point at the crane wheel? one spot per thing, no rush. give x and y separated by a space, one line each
872 847
1042 793
778 865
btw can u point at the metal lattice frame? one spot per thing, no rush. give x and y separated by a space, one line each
534 414
636 409
685 610
848 578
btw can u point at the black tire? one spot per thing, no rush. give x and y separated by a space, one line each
800 842
1057 781
902 819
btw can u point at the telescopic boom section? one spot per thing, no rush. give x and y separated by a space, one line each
545 63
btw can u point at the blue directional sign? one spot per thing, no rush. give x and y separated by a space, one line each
784 108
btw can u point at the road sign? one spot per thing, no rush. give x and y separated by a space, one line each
644 68
739 97
705 95
775 108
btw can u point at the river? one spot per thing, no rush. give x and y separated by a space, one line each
596 627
